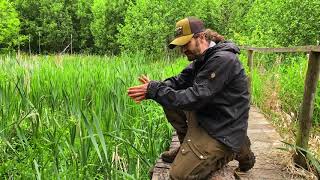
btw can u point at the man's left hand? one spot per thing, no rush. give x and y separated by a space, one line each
138 93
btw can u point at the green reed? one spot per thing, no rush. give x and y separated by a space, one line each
70 117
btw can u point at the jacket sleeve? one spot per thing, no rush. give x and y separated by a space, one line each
181 81
209 81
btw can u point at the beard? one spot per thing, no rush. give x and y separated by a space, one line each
193 54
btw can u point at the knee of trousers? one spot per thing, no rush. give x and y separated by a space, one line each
174 175
177 119
189 165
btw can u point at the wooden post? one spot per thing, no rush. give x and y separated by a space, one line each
250 65
19 50
29 46
71 44
306 112
39 44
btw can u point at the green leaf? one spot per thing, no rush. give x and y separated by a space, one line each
92 136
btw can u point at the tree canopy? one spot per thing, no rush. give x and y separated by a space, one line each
112 27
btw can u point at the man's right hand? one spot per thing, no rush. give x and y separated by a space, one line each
138 93
144 79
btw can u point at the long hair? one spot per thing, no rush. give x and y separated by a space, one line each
211 35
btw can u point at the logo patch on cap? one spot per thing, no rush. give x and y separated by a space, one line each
178 31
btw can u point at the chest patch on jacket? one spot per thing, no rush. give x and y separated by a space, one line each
212 75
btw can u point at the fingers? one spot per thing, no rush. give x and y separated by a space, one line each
144 79
135 90
136 87
138 99
136 94
142 88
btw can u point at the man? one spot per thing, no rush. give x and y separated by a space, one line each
207 104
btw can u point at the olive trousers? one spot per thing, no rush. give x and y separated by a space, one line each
199 154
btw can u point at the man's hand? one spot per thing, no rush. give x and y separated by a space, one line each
138 93
144 79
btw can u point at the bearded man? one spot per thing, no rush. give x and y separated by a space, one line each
207 104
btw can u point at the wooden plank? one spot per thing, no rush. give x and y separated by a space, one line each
283 49
266 174
306 112
160 174
250 65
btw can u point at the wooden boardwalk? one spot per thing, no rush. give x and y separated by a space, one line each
265 141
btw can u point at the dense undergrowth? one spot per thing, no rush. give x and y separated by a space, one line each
70 117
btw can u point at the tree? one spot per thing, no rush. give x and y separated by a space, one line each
149 25
47 20
107 14
9 26
81 17
281 23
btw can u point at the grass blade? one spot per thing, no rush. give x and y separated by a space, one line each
36 166
92 137
100 135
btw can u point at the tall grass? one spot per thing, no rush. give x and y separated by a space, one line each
278 87
281 78
70 118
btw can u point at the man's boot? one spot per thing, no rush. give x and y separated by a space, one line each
246 157
168 156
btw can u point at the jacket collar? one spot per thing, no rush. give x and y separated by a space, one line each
203 55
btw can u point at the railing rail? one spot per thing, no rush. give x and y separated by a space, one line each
283 49
310 87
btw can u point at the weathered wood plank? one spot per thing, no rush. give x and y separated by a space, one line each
283 49
250 65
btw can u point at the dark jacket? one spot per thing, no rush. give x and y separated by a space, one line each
215 87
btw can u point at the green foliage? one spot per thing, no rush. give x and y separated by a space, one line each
82 17
280 23
53 23
107 27
299 23
107 16
149 26
70 116
9 26
292 85
260 23
280 80
230 15
47 20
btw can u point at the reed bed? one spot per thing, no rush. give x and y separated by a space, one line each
69 117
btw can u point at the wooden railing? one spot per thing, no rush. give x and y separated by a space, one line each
310 86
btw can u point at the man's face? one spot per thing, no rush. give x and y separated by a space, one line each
192 49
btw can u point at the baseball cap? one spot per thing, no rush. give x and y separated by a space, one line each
185 29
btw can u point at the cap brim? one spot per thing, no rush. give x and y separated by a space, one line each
180 41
